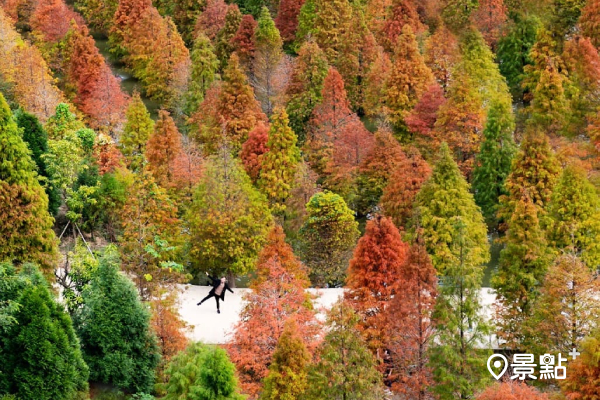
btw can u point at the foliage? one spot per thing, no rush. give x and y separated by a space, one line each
228 219
410 330
511 391
328 236
346 368
162 148
574 213
39 352
203 72
287 377
150 237
137 130
304 91
254 150
523 264
267 308
114 328
372 279
443 201
278 165
26 228
492 164
583 374
565 310
405 181
201 373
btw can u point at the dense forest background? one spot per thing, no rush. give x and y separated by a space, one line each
380 145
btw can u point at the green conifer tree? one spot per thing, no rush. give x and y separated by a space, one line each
280 162
223 43
574 213
523 264
492 164
328 236
204 67
457 362
228 219
306 85
25 224
346 368
443 200
40 356
114 328
287 377
201 373
534 171
137 130
37 140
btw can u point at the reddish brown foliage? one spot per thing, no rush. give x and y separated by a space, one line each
277 247
212 18
287 18
107 154
243 40
403 13
404 184
186 170
584 373
99 93
269 305
441 54
350 147
52 18
372 276
128 14
410 329
163 146
168 326
253 150
512 391
421 119
489 18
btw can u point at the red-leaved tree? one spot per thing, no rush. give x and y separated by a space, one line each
269 305
372 279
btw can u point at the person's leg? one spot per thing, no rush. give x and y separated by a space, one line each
204 299
217 299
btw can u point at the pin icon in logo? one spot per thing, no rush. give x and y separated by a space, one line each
497 365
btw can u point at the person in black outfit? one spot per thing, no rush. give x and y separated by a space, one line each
219 286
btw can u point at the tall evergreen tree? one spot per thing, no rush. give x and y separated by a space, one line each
203 72
37 140
306 84
457 362
574 213
332 19
492 164
443 200
456 14
137 130
280 162
26 226
223 44
328 236
346 368
39 351
185 14
523 263
228 219
589 21
534 171
287 378
114 328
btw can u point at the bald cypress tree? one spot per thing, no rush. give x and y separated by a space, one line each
25 224
137 130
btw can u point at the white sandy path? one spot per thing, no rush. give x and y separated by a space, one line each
209 327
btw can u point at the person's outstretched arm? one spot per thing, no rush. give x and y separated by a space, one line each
228 288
